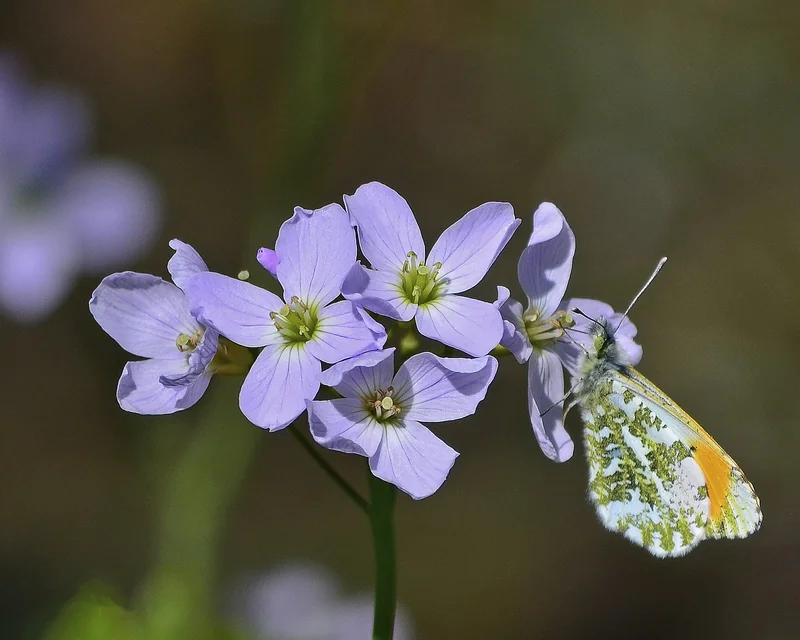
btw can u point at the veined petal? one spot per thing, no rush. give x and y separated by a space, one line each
268 259
515 338
472 326
341 332
545 389
387 229
185 263
470 246
546 263
198 361
379 291
280 381
143 313
362 376
413 459
140 391
238 310
315 251
435 389
344 425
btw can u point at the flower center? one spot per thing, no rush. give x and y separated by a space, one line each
188 343
420 282
382 405
545 331
295 321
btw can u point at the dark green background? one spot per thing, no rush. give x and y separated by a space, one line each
658 129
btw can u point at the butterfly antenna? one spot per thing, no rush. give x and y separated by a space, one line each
641 291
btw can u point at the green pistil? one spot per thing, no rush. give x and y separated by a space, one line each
295 321
382 405
545 331
420 282
188 343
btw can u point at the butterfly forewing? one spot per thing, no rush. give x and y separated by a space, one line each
643 479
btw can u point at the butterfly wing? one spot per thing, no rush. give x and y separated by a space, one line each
735 510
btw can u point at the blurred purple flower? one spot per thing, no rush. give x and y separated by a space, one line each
304 602
150 317
315 250
402 284
378 415
60 213
539 335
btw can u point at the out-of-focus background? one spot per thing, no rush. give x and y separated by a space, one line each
658 129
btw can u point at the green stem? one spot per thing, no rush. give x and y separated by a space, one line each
381 518
343 484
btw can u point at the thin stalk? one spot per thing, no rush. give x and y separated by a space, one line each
343 484
381 519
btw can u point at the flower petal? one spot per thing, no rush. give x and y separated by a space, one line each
315 249
268 259
238 310
140 391
143 313
546 263
185 263
387 229
435 389
280 381
412 459
470 246
362 376
472 326
515 339
545 388
341 332
378 291
344 425
199 359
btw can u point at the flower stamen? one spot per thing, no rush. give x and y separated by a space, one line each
420 281
295 321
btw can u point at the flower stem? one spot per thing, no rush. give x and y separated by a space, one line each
381 516
334 475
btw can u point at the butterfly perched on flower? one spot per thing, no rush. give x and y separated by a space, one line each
655 475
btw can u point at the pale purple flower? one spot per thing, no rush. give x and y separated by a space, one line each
302 601
150 318
61 213
379 413
404 283
315 250
547 334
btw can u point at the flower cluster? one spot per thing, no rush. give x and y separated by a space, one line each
381 389
61 212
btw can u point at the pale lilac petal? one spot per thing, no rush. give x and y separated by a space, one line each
238 310
413 459
143 313
387 229
115 211
199 359
268 259
344 425
546 263
379 291
316 249
472 326
435 389
280 381
470 246
185 264
545 389
140 391
342 333
362 376
515 338
38 265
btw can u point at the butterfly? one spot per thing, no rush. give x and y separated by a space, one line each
655 475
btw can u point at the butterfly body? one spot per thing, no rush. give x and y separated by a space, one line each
654 474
